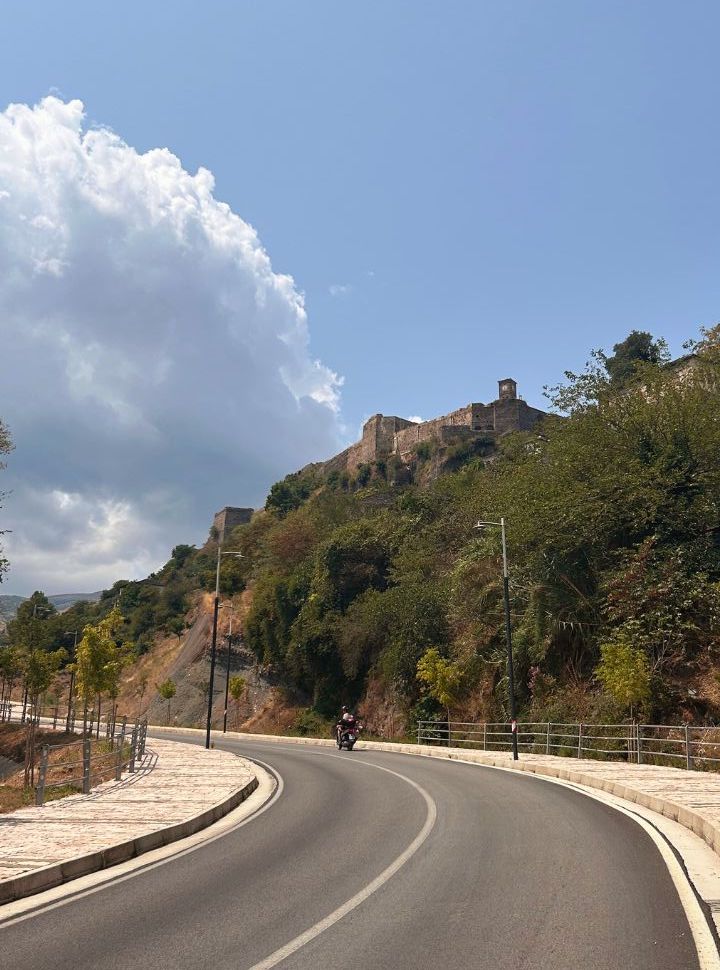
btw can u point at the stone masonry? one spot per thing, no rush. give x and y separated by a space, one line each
385 435
226 519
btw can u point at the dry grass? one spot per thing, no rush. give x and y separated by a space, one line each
65 765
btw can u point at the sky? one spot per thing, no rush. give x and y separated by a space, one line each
232 231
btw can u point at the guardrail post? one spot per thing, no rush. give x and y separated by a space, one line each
143 737
484 735
688 753
55 717
418 732
86 766
547 739
40 790
579 754
638 732
118 761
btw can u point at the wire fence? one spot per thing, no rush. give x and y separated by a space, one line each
682 745
84 764
109 745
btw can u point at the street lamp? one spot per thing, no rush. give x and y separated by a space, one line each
216 607
70 718
508 636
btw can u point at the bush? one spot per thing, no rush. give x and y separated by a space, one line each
309 723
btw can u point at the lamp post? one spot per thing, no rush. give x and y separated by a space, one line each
70 719
508 635
213 651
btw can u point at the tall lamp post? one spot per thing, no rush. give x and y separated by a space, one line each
70 719
213 651
508 635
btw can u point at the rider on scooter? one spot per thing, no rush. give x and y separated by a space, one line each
347 722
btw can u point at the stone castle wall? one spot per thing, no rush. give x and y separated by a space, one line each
226 519
385 435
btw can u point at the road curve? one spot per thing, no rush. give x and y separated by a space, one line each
512 874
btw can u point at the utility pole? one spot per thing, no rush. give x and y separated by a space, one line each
213 651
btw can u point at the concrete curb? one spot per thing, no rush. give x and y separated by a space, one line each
53 875
703 827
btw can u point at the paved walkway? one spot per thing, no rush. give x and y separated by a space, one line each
177 790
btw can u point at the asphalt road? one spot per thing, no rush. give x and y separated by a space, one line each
513 873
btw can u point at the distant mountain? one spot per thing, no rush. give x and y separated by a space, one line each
9 605
61 601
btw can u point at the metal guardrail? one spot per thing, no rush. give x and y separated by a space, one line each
684 745
110 757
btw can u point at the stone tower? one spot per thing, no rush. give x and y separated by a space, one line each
507 389
226 520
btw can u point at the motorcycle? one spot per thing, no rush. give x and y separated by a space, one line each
347 737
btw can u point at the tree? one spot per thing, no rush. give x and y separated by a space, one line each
181 553
638 348
624 672
98 661
5 447
38 669
441 678
175 626
141 688
167 691
237 687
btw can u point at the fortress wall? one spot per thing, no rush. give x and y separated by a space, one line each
515 415
388 434
482 417
226 519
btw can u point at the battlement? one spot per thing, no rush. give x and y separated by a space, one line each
385 435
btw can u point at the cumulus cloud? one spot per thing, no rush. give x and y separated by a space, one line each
155 367
340 289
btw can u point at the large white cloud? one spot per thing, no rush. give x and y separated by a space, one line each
154 367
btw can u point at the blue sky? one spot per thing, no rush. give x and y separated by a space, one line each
462 191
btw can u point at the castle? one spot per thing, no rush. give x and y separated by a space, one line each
385 435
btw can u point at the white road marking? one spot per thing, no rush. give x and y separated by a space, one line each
324 924
705 945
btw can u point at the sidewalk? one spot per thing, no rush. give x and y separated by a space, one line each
177 790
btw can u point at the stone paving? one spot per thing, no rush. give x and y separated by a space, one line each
173 785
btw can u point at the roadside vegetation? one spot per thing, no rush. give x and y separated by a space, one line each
375 589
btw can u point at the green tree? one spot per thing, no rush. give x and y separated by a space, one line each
441 678
167 691
638 348
237 687
5 447
181 553
624 672
98 661
38 668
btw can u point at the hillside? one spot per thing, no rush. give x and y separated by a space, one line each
374 587
61 601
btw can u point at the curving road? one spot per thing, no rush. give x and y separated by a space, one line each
506 872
